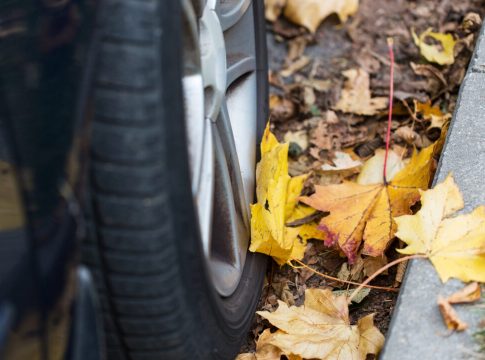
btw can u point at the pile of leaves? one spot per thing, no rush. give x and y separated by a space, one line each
327 212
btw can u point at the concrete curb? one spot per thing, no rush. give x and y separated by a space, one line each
417 330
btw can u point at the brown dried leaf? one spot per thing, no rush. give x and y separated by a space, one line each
342 162
471 23
296 48
282 291
295 66
281 108
310 13
407 134
321 329
372 264
468 294
332 133
428 71
265 350
401 270
450 317
356 96
273 9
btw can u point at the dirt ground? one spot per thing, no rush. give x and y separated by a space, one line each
307 81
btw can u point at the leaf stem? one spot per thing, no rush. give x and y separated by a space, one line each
343 281
382 269
390 43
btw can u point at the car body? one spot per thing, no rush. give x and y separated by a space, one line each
51 57
47 308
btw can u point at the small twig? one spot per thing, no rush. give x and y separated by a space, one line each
344 281
390 43
379 57
411 113
382 269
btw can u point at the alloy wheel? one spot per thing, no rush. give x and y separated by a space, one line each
220 95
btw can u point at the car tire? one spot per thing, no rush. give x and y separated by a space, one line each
143 246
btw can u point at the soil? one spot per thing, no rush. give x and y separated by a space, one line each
359 43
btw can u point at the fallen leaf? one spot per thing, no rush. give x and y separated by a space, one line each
357 270
342 162
468 294
298 137
273 9
352 272
332 133
400 271
317 84
248 356
450 317
281 108
308 230
368 148
309 98
296 48
429 71
443 54
276 196
314 216
407 134
427 110
361 295
265 350
344 272
368 62
471 23
356 96
371 172
295 66
372 264
364 212
438 120
282 291
455 245
310 13
321 329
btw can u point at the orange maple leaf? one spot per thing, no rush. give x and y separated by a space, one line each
365 212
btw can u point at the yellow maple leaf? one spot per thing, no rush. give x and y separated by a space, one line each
433 114
277 203
310 13
356 96
365 212
455 245
442 54
321 329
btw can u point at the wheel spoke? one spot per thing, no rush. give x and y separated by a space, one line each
204 195
229 148
241 111
240 48
231 11
230 234
240 68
